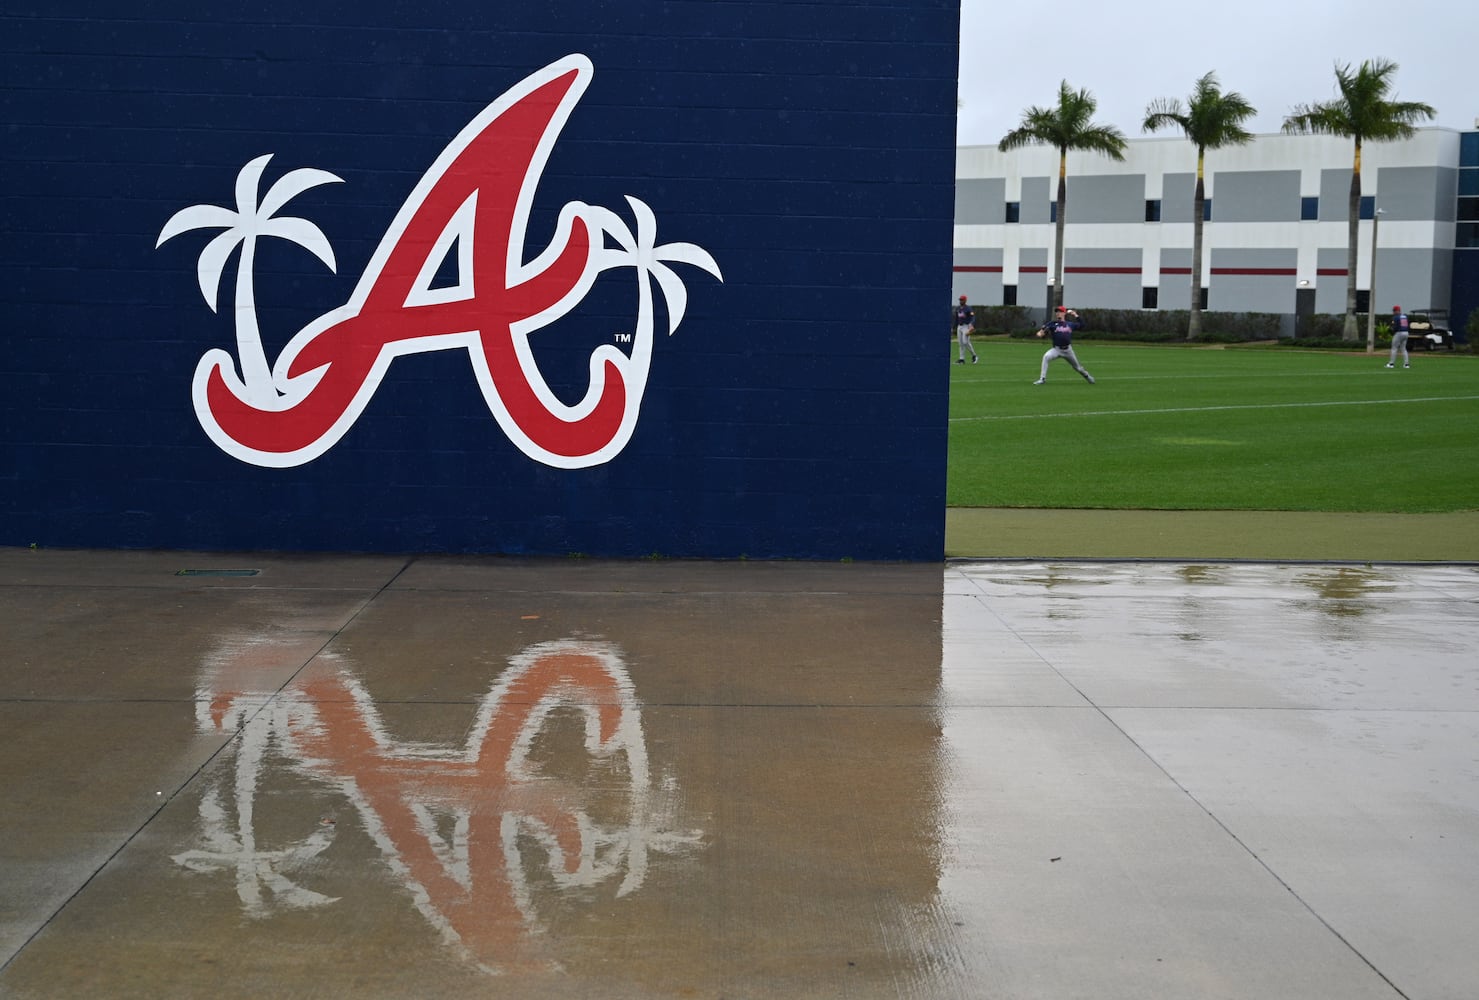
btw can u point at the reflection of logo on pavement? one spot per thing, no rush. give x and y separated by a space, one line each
463 828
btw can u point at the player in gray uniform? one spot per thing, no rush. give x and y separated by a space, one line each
1400 325
964 319
1061 328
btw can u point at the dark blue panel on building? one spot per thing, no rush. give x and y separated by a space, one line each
676 292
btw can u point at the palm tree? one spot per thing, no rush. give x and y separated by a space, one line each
1066 127
1211 120
252 219
642 251
1362 112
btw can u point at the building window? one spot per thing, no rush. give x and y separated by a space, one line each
1052 211
1368 206
1204 299
1467 236
1152 210
1014 211
1207 210
1363 300
1468 149
1468 210
1309 209
1008 295
1149 297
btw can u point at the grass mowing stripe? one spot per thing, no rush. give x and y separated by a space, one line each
1208 409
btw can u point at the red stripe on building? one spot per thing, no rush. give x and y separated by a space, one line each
1245 271
1070 270
1043 270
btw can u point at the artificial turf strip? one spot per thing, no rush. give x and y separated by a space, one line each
1178 428
1210 535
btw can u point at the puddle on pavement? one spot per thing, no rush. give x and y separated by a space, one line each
759 794
557 828
548 794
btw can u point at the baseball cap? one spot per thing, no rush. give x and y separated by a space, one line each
962 298
1396 309
1060 309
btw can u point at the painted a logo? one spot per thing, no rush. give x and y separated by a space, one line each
476 197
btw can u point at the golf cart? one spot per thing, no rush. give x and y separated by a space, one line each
1429 331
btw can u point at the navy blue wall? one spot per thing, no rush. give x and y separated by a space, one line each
1465 292
798 411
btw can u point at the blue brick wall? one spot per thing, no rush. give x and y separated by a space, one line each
798 411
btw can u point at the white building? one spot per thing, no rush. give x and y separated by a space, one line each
1274 242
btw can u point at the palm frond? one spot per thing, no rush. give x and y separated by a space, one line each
1363 110
196 217
1210 118
212 264
1067 125
1105 139
1164 112
304 233
1315 119
1023 135
247 182
690 253
292 184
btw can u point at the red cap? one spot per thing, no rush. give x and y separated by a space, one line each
1061 309
1396 309
962 298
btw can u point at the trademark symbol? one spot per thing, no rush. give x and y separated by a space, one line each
623 338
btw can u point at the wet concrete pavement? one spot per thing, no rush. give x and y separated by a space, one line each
441 777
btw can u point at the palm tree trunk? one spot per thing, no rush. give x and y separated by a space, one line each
1198 210
249 354
1348 332
1062 221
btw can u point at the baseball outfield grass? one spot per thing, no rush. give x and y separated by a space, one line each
1213 453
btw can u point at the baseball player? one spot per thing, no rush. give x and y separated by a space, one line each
965 325
1061 328
1400 325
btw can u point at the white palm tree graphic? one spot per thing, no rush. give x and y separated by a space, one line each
640 250
240 851
252 219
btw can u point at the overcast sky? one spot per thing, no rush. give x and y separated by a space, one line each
1276 53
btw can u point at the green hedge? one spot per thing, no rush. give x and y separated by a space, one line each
1002 319
1328 326
1337 342
1148 326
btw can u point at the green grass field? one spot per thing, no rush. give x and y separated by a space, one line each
1180 428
